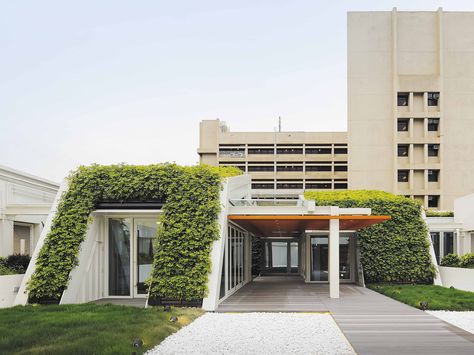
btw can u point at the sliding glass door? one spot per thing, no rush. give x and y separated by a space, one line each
130 255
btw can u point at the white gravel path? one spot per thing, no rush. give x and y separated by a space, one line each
464 320
258 333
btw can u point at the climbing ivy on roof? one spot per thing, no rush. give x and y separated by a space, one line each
188 224
393 251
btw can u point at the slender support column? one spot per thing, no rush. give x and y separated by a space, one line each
334 255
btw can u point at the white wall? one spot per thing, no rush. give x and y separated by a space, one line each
237 187
87 278
9 285
464 211
460 278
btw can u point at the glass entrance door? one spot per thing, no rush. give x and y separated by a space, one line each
319 263
130 255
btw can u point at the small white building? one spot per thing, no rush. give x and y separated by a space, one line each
25 202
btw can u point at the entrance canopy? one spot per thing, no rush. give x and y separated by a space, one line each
288 226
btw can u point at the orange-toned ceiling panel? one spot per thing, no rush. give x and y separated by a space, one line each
287 226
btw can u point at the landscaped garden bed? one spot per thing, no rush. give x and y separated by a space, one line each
87 328
437 297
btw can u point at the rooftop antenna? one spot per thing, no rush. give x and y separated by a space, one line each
279 123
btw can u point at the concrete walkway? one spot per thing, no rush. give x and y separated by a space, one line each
373 323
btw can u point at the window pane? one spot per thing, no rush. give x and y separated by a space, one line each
448 243
146 231
119 257
435 241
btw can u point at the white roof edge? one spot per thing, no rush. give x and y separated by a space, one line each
22 177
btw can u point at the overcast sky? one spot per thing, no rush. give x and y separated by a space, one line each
128 81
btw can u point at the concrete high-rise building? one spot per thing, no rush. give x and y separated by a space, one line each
410 117
411 104
281 164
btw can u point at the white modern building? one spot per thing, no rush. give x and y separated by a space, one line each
317 243
25 202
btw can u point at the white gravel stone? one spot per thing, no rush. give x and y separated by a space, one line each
463 320
258 333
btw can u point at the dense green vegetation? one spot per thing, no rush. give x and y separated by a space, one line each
393 251
14 264
431 213
438 297
188 225
86 328
454 260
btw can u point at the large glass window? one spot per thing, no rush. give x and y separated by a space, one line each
402 99
443 243
234 261
319 258
145 234
119 257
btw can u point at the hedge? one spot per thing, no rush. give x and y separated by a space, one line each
431 213
393 251
187 229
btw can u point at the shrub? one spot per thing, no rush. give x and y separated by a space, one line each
431 213
393 251
188 225
6 270
18 262
452 260
467 261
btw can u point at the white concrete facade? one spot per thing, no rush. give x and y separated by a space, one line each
25 202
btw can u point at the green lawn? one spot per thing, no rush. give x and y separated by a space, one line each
86 328
438 297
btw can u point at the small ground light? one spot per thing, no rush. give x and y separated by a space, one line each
424 305
167 308
174 319
137 343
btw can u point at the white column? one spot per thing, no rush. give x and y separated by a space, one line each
334 254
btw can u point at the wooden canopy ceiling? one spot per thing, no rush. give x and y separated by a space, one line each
290 226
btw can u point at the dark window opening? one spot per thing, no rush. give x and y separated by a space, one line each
318 167
261 150
433 124
433 175
261 168
402 150
433 98
402 125
340 150
340 186
318 150
433 150
263 186
433 201
293 185
290 150
403 175
320 185
289 168
340 168
402 99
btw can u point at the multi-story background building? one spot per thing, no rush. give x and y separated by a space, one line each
281 164
410 117
411 104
